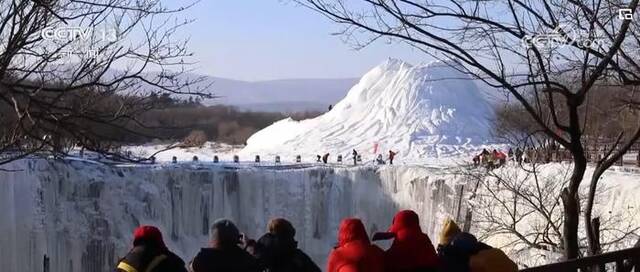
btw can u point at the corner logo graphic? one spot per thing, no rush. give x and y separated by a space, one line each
625 14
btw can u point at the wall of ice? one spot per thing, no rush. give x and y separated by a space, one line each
81 215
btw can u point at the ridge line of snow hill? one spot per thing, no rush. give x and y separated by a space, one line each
423 111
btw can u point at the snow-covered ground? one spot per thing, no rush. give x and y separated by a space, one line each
163 153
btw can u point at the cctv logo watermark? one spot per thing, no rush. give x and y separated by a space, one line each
561 36
73 33
76 41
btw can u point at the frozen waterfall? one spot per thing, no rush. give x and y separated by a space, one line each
81 214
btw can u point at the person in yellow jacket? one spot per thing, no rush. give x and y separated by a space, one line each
149 254
461 252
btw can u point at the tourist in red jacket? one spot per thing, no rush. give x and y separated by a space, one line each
354 252
411 250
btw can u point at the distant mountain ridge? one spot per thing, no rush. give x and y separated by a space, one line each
285 95
285 107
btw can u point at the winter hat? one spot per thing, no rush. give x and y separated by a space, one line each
225 232
411 248
352 229
449 231
281 228
148 235
403 221
465 242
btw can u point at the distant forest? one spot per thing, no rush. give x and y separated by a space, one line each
155 118
176 120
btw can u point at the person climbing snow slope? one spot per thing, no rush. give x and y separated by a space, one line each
392 155
355 157
325 158
380 160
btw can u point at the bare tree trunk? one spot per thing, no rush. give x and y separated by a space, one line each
570 195
570 230
592 231
595 230
571 203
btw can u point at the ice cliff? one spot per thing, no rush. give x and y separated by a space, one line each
81 215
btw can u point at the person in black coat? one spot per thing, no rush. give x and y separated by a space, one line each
518 154
325 158
225 254
277 250
149 253
355 157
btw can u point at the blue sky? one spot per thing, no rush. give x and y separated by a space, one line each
276 39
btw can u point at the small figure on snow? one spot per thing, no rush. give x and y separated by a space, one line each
392 155
325 158
500 158
518 154
380 160
476 160
355 157
484 156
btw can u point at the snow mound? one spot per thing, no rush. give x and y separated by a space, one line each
422 111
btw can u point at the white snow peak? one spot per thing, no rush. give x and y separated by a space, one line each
421 111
